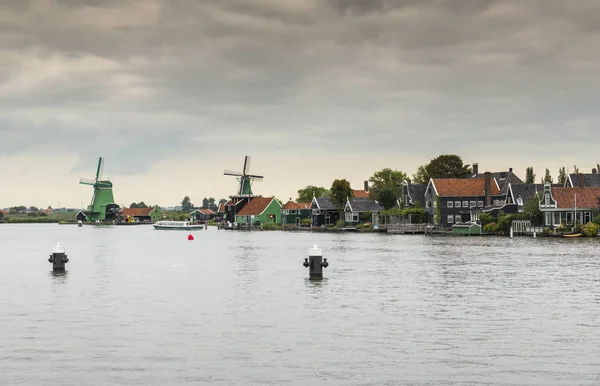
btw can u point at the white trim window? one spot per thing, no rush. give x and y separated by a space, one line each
519 201
450 204
450 219
472 204
465 204
435 204
480 204
457 218
351 217
457 204
547 199
292 211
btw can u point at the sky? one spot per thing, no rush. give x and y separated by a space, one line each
172 93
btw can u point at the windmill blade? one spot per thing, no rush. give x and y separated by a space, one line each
100 168
232 173
247 164
257 178
86 181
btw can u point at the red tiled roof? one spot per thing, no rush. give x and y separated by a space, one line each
206 211
221 208
296 205
136 212
587 197
463 187
360 193
255 207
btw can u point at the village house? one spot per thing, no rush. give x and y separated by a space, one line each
292 213
260 210
503 179
361 210
454 200
135 215
233 207
519 194
411 195
202 215
583 179
569 205
324 211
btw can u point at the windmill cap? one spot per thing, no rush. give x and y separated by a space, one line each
314 251
58 248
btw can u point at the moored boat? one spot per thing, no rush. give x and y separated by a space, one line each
572 235
177 225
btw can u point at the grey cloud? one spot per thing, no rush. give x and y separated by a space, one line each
178 76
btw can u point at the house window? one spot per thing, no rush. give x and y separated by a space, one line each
520 201
450 219
480 204
556 218
351 217
465 204
547 199
293 211
496 202
450 204
548 222
435 204
354 217
457 204
569 218
586 217
457 218
316 212
429 204
472 204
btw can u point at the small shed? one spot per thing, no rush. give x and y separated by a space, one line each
469 228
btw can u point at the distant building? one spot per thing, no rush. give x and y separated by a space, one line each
293 212
135 215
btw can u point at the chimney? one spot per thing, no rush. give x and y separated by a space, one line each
580 176
510 170
366 186
594 171
475 168
487 186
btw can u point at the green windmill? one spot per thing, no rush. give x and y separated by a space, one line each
103 205
245 179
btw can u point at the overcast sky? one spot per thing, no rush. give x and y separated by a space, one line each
173 92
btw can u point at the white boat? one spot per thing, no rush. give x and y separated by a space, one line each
178 225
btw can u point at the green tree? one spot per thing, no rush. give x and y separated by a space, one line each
340 193
186 204
211 204
307 193
1 215
547 177
140 204
33 209
562 175
447 166
386 179
387 198
531 209
529 175
204 203
421 176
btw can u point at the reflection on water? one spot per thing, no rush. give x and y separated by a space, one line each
410 310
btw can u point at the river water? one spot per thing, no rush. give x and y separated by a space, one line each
145 307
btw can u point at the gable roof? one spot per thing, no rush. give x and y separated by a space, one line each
527 191
463 187
362 205
503 179
322 203
296 205
205 211
417 193
255 206
588 179
136 212
360 193
587 197
221 208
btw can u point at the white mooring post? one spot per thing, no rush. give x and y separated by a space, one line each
511 232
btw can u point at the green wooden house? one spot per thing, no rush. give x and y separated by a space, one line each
470 228
294 212
260 210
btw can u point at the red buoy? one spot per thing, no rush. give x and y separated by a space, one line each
190 237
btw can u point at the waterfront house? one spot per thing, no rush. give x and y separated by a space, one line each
221 212
412 195
324 211
583 179
260 210
135 215
202 215
519 194
453 200
233 207
503 179
293 212
361 210
568 205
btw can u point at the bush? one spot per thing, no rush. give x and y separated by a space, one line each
561 227
305 221
485 218
590 229
597 219
269 226
491 228
339 224
577 227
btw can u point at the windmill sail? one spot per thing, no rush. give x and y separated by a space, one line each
100 169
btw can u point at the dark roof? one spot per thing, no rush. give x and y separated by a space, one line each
503 179
417 193
323 203
362 205
589 179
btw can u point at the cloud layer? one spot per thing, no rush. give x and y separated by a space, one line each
141 81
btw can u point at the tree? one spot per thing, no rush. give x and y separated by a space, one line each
447 166
340 193
186 204
547 177
138 205
562 175
33 209
421 176
1 215
529 175
222 201
575 169
386 179
532 210
211 204
387 198
307 193
204 203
